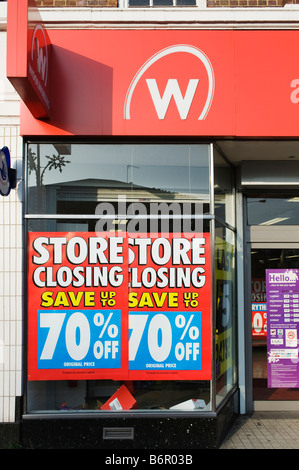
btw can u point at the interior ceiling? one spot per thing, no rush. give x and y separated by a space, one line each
239 150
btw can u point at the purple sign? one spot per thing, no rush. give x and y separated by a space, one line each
282 292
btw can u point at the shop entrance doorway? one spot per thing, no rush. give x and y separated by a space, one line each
273 244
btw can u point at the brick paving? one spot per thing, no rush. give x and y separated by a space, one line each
264 430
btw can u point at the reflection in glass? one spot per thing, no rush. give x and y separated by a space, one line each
75 181
157 3
138 3
186 2
223 189
225 312
161 3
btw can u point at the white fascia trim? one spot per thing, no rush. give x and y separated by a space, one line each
172 18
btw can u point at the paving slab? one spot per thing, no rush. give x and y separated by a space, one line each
264 430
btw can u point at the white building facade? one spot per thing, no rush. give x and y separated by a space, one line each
250 158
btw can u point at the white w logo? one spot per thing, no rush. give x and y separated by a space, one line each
172 89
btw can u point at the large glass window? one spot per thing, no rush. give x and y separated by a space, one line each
224 297
73 179
153 204
226 364
277 210
224 192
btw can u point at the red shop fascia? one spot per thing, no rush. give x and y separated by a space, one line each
203 83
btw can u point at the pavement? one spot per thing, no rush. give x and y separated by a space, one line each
264 430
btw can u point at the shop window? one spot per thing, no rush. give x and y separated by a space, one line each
223 190
269 211
225 334
75 180
150 202
226 374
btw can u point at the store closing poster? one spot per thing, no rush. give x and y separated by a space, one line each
282 287
122 307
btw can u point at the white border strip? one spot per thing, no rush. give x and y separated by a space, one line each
200 17
175 17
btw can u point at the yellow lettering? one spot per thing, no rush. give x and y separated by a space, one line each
47 300
61 299
154 299
133 301
146 300
75 299
159 300
67 299
173 299
89 299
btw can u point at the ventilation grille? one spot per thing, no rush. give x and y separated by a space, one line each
118 433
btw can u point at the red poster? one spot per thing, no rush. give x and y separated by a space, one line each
103 306
170 307
77 306
259 320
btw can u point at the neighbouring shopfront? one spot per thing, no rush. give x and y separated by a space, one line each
143 220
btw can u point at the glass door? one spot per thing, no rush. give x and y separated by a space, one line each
262 259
